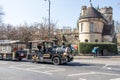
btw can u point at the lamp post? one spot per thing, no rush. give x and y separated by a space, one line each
49 18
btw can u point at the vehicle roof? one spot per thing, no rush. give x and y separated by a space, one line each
11 42
40 41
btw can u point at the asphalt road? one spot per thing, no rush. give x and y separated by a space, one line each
79 69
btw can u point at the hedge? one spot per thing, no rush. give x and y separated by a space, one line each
86 48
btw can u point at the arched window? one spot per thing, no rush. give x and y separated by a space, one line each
96 40
86 40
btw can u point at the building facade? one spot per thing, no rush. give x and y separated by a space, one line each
96 25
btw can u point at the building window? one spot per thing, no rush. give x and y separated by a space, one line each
81 27
91 26
86 40
96 40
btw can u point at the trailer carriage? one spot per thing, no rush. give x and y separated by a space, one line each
12 49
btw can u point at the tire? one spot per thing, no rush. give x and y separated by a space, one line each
56 61
67 59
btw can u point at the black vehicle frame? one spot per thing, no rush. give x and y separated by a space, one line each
55 55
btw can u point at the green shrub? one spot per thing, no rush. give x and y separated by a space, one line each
86 48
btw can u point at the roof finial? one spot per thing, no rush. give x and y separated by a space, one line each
91 3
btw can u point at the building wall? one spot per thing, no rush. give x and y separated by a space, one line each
85 30
71 35
118 37
84 33
88 33
107 13
90 37
107 38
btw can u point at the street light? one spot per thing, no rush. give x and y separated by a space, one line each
49 18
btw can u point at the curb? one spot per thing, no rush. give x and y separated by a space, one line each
91 57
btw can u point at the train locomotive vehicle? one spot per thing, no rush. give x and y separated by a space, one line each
45 51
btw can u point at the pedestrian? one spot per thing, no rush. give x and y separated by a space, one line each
95 51
63 45
41 51
102 52
68 49
40 48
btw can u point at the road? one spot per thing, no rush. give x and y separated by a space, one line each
79 69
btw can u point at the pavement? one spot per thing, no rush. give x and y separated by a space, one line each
107 60
115 57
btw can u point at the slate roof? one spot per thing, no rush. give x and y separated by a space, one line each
91 13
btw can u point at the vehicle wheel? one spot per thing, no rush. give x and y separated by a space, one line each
56 61
67 59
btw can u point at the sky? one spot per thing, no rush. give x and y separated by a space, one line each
64 13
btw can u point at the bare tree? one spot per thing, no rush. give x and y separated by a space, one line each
42 30
117 26
117 30
1 15
2 32
24 33
10 32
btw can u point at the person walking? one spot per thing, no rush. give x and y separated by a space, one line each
102 52
95 51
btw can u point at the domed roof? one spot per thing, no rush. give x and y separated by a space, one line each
91 12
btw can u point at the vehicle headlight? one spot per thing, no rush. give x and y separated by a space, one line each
65 54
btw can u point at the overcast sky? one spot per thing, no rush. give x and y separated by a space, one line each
64 12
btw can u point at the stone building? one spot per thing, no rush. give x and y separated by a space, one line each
68 35
96 25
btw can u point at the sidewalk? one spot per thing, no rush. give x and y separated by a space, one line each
98 57
107 60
